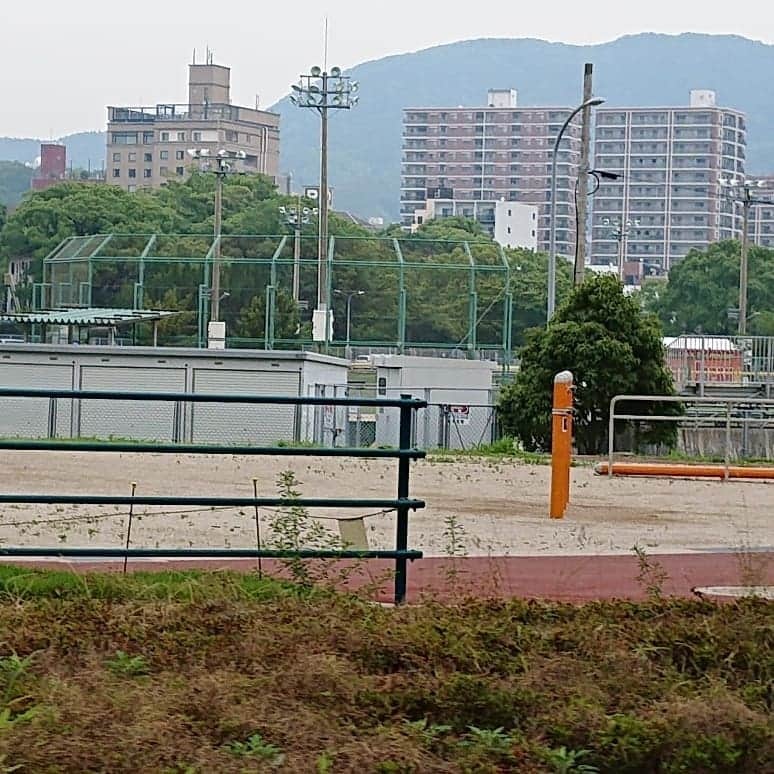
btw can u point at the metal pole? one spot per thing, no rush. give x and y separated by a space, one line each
582 212
297 257
552 237
349 315
746 204
552 231
215 300
322 249
401 541
621 250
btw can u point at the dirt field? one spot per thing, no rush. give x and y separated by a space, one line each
502 505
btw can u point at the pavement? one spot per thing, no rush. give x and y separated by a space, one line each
562 578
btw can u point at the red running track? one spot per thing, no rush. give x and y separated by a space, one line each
561 578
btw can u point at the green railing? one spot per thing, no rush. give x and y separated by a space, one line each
403 504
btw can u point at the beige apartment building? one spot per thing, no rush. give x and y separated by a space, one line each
470 158
146 146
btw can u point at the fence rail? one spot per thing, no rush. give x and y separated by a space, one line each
722 416
405 405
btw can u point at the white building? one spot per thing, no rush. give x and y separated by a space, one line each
510 224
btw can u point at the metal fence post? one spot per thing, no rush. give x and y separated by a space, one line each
728 439
401 542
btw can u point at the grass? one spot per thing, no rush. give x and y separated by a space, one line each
214 672
505 448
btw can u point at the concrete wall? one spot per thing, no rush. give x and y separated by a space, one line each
143 369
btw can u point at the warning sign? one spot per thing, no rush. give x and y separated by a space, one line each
460 414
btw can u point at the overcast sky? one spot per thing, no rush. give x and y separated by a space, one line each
63 62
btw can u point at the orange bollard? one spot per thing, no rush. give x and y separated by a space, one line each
561 444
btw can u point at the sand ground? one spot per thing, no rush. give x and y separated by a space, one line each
500 505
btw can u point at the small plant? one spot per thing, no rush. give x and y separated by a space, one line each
293 529
324 763
257 747
12 670
455 546
128 666
652 575
428 733
566 761
490 741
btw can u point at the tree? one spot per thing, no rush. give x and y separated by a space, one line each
252 321
611 347
704 286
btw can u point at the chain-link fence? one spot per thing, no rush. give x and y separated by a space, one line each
453 419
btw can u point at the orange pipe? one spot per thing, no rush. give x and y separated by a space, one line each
561 444
682 471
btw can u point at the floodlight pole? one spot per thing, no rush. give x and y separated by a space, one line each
322 248
297 254
215 300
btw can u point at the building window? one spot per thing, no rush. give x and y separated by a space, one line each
163 171
116 172
148 157
124 138
197 136
146 173
131 188
163 155
132 157
180 171
179 155
509 229
232 136
132 173
116 157
147 138
181 136
165 137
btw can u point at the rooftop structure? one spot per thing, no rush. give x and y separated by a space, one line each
146 146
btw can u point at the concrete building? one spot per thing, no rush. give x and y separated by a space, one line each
146 146
668 200
509 223
487 154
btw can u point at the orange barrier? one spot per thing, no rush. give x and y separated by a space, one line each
682 470
561 444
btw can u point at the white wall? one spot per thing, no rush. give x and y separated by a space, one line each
516 225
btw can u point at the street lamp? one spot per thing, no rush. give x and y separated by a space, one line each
589 103
224 165
296 216
323 91
349 295
620 232
741 191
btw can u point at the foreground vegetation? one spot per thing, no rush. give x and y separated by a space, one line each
217 672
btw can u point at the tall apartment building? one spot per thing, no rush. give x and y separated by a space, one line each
668 199
499 152
146 146
761 229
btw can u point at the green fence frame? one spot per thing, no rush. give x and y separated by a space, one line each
402 504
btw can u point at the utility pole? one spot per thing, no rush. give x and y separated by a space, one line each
296 217
741 191
581 200
746 204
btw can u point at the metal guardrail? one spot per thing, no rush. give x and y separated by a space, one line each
725 418
402 504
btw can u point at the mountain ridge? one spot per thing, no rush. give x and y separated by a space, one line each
646 69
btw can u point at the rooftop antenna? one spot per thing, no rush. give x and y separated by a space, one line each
257 101
194 57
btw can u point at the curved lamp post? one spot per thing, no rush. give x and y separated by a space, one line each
593 102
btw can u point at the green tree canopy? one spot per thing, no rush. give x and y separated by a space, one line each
610 346
704 286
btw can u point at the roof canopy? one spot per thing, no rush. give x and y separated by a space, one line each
86 317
